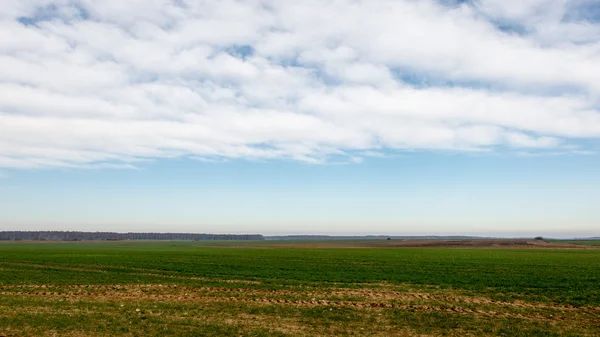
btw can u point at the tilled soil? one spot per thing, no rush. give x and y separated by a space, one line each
144 301
338 297
399 243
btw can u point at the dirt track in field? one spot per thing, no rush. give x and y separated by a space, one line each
258 307
370 298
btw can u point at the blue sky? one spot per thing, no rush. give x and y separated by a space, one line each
355 117
409 194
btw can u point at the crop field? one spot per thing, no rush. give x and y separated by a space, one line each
226 289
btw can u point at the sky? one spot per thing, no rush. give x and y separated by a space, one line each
301 117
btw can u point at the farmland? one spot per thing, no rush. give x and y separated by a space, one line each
580 242
292 289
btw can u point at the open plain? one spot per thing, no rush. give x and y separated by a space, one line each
385 288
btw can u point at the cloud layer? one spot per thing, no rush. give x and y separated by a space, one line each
104 83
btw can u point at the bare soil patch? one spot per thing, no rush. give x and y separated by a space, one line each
439 243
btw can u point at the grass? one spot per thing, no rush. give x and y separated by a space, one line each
191 288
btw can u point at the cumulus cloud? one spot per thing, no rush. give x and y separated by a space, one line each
108 83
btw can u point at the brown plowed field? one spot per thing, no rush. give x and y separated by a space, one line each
399 243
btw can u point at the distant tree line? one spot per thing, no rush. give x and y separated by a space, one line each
78 236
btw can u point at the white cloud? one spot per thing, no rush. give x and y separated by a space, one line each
88 83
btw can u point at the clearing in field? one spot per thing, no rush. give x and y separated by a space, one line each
191 289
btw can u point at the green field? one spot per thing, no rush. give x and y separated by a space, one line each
199 289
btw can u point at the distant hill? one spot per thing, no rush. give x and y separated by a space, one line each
364 237
110 236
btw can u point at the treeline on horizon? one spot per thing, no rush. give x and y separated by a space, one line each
99 236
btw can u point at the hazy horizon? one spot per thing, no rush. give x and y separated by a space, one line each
550 235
